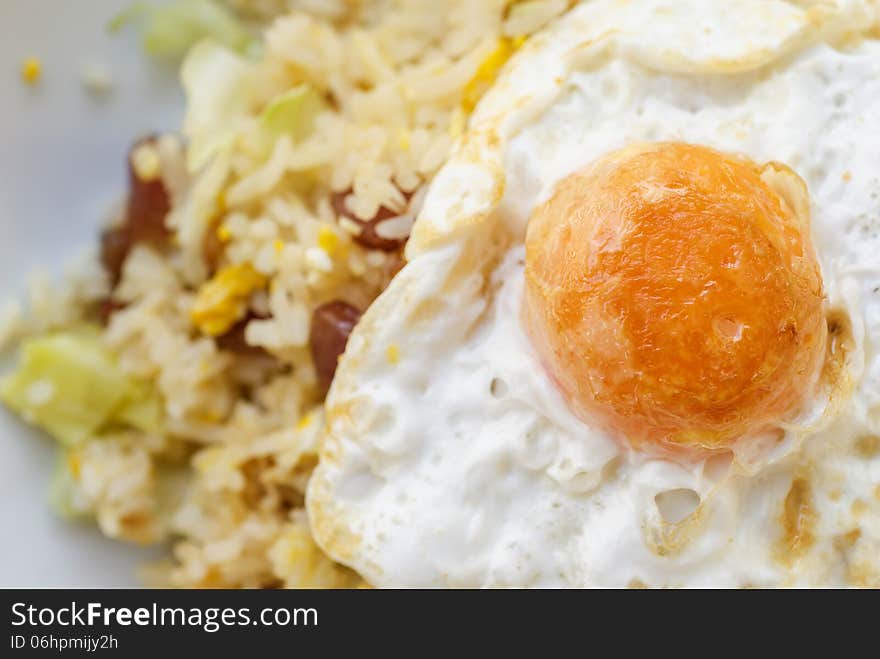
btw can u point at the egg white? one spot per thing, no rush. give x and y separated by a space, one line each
451 459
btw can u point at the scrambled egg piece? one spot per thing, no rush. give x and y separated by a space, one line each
222 301
328 240
31 70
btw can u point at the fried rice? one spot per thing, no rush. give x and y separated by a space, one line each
270 241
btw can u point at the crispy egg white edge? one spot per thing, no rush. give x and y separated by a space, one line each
459 206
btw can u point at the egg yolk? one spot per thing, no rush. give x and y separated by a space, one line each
674 296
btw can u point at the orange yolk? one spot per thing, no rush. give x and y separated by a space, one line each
673 294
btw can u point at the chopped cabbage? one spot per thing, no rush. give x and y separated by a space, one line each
142 408
64 499
172 29
291 113
70 385
217 86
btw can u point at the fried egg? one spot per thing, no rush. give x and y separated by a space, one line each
637 340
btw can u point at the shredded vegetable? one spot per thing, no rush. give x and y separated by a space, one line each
70 385
169 31
63 498
291 113
216 83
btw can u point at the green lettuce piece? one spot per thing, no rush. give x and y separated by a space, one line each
170 30
218 98
291 113
70 385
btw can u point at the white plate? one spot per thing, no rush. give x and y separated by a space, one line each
62 162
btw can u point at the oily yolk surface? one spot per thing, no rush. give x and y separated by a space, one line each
674 296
